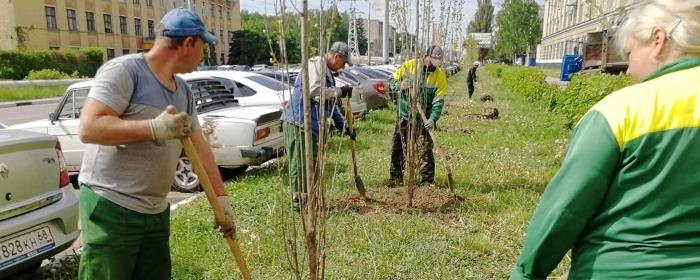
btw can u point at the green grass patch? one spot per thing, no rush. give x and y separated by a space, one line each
500 167
30 92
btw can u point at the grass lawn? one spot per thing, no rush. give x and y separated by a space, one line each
30 92
500 168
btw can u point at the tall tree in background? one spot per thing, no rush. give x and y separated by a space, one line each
518 28
249 48
361 36
482 22
483 18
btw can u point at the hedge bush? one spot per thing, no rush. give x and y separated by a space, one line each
16 65
584 91
51 74
573 102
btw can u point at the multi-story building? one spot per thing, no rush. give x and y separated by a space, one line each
373 29
566 24
118 27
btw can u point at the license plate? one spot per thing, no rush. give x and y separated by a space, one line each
27 245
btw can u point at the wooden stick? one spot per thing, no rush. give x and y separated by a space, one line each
358 181
219 215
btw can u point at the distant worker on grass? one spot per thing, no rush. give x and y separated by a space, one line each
432 83
626 200
471 79
133 132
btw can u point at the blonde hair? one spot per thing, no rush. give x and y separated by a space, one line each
680 19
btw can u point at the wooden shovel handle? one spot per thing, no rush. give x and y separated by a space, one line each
219 215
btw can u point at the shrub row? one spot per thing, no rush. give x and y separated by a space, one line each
51 74
16 65
584 90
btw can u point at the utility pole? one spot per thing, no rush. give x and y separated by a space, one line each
385 33
369 35
352 29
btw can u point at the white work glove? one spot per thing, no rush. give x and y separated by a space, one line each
228 228
429 125
170 125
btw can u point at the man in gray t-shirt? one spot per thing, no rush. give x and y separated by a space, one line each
133 118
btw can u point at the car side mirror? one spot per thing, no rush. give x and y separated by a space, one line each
52 117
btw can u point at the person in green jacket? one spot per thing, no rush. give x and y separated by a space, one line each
626 200
433 86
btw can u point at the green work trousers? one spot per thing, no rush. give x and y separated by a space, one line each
295 151
119 243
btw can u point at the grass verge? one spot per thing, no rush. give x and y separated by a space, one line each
27 93
500 167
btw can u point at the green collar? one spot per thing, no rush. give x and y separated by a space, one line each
673 67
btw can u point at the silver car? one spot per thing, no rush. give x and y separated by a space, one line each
38 206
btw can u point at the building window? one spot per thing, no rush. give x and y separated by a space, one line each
108 23
211 11
229 13
149 3
150 29
90 18
72 20
125 51
137 26
221 11
110 54
122 25
162 4
136 2
50 17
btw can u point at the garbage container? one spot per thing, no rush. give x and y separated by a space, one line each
570 64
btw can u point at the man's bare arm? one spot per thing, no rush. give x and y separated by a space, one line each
99 124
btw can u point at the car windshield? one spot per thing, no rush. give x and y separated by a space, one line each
211 94
268 82
73 103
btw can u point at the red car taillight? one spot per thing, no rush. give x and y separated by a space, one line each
379 87
262 133
63 180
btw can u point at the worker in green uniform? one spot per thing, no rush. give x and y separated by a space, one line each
433 86
626 200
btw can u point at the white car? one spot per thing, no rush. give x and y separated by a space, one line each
253 89
239 136
38 209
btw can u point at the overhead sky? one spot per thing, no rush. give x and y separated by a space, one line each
377 11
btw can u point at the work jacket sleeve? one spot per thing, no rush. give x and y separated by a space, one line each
439 100
571 199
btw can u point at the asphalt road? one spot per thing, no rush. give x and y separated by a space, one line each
21 114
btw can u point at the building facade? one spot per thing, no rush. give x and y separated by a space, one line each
118 27
566 24
373 29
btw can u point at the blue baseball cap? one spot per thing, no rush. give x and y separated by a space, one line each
181 22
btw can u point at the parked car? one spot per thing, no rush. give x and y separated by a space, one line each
233 68
255 89
239 136
39 208
371 90
260 67
249 88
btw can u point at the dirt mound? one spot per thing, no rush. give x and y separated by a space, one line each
486 98
395 200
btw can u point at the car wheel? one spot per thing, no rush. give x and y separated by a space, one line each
186 180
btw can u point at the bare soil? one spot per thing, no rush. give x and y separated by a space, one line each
395 200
